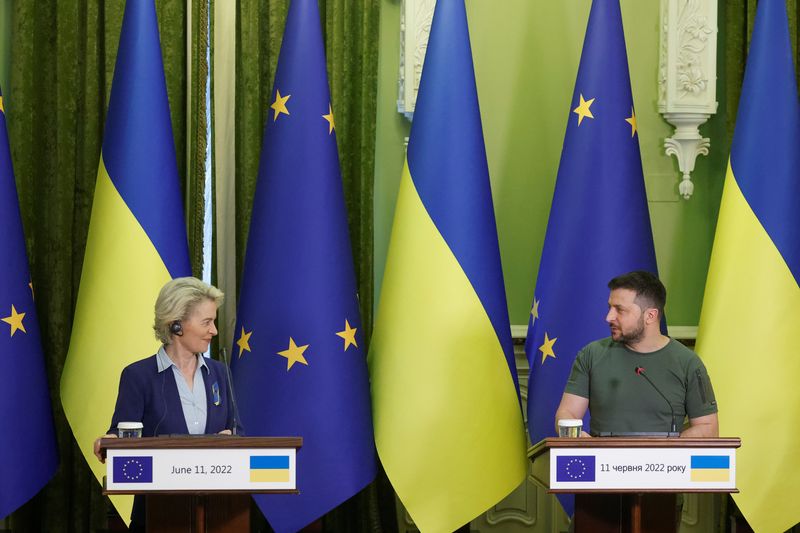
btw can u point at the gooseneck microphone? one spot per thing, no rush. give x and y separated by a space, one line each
641 372
236 422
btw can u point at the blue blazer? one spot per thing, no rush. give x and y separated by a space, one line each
150 397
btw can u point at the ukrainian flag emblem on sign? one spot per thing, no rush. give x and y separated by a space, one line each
711 468
266 468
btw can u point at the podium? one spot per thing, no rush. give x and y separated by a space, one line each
629 484
200 483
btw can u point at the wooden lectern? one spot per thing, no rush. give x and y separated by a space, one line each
629 484
200 483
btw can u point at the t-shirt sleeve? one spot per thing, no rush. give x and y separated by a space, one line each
578 382
700 399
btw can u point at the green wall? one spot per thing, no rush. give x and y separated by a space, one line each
526 55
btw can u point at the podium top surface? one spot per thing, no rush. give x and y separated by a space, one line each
201 441
626 442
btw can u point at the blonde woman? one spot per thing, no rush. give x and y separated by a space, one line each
177 390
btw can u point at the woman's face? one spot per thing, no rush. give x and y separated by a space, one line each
199 328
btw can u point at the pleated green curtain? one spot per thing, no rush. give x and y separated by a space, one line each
62 61
351 42
736 18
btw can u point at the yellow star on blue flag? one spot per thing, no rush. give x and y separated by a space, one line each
15 321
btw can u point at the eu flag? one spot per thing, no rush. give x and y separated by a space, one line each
299 365
599 225
130 469
751 308
28 456
575 468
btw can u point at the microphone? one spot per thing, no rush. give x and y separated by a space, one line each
236 422
641 372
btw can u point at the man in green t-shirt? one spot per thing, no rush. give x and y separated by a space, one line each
610 376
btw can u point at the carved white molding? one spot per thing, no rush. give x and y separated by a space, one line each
687 74
415 27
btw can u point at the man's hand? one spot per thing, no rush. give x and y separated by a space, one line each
97 446
572 406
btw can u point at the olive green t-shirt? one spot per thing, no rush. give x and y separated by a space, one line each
620 400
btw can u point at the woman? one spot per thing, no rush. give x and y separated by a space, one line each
177 390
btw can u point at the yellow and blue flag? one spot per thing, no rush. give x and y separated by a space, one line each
751 309
599 225
137 237
710 468
28 455
299 363
269 468
448 421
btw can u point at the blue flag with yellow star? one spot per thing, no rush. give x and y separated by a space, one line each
28 455
751 308
299 364
599 225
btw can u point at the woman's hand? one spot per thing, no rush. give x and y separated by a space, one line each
225 432
97 446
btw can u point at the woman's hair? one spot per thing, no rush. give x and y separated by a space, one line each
176 301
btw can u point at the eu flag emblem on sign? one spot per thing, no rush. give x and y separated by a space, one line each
133 469
575 468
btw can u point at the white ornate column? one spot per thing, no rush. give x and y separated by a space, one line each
415 27
688 79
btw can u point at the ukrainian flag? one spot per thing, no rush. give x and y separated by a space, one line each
269 468
710 468
137 237
751 310
448 422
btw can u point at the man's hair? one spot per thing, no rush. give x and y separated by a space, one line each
650 292
177 300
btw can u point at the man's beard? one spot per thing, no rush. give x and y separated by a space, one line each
631 337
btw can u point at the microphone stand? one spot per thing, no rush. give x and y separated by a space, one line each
673 432
234 429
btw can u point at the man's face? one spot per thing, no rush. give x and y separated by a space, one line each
625 317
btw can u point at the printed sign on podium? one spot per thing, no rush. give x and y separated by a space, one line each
203 469
679 469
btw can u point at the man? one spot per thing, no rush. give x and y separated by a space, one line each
608 376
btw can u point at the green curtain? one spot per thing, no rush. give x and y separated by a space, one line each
736 18
63 56
351 37
197 133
